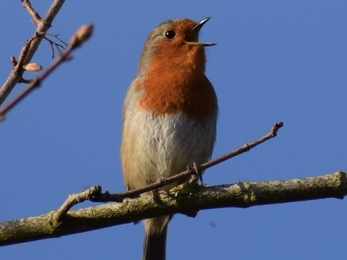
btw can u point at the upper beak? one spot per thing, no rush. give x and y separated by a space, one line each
195 30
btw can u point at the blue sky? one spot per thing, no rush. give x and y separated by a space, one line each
274 61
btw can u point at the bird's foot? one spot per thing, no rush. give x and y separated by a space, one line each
156 192
197 175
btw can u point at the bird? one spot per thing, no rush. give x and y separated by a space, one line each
169 116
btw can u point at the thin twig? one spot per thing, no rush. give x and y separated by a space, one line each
36 17
106 197
55 44
82 34
34 42
244 148
94 193
74 199
14 61
57 37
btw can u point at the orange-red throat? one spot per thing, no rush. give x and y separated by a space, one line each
173 71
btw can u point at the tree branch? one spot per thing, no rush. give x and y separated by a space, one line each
183 199
36 17
94 193
189 172
31 45
77 39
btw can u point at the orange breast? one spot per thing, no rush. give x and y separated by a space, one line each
178 84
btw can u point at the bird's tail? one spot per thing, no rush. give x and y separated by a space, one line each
154 246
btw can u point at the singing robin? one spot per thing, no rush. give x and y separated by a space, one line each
169 117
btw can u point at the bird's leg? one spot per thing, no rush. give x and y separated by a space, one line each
163 179
155 192
155 195
197 174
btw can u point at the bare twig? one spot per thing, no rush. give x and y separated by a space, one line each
36 17
94 193
106 197
81 35
31 46
245 148
74 199
14 61
55 44
57 37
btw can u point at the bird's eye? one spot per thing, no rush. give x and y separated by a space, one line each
170 34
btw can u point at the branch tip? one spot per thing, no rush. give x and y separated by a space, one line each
275 128
36 17
83 34
13 61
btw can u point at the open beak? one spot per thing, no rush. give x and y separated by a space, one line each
192 36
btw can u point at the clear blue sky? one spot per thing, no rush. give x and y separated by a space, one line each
274 60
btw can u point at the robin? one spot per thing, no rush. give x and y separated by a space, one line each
169 117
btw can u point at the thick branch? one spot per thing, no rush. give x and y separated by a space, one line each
182 199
